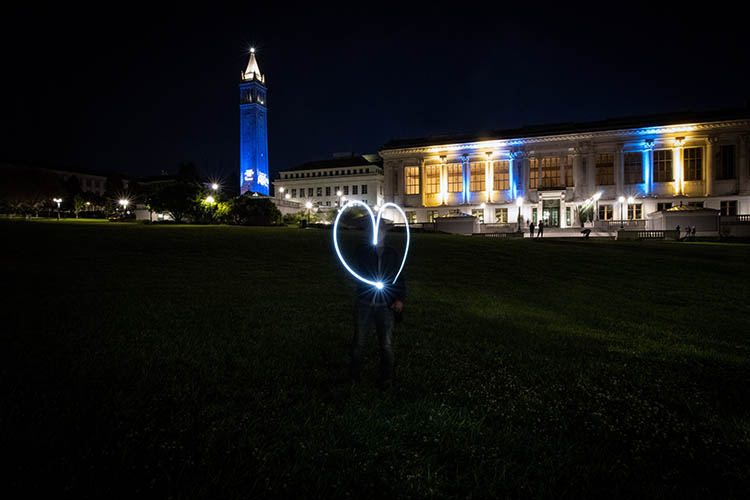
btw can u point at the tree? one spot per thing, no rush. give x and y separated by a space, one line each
251 211
79 203
179 199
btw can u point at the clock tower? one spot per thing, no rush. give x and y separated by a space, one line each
253 133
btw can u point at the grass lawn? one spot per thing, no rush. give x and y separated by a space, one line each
211 362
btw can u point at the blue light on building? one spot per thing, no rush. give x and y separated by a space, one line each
253 132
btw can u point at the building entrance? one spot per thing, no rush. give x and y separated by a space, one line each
551 213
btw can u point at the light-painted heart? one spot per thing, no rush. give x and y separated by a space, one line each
375 228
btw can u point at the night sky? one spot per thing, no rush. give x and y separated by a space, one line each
139 91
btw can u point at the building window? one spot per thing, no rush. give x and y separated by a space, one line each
477 177
663 206
328 190
294 193
501 215
697 204
346 190
319 191
569 171
605 169
364 188
728 207
412 180
411 217
605 212
692 163
635 211
479 214
500 177
663 165
328 203
567 216
455 178
432 215
550 172
432 174
725 167
533 173
355 189
453 212
633 165
309 192
533 215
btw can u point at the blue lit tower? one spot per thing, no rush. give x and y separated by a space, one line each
253 135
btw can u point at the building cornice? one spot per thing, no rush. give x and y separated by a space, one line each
628 133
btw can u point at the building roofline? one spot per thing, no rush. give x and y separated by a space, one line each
532 131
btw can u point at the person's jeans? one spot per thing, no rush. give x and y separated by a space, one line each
364 316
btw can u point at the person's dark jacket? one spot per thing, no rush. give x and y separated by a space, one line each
367 267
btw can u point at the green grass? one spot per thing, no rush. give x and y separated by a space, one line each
211 362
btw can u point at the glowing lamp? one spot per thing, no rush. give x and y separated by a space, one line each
598 195
287 196
630 199
519 201
621 199
338 193
124 203
379 285
209 199
308 205
281 189
215 186
483 205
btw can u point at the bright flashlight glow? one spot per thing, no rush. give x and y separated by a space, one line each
124 203
375 227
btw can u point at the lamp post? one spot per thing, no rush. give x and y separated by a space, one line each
630 202
124 204
519 202
338 193
308 205
58 201
621 199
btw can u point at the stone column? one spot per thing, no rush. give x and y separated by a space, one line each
443 181
488 177
591 172
678 172
422 181
743 167
708 167
563 163
466 177
578 179
648 165
619 171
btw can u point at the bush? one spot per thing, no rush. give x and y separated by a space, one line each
250 211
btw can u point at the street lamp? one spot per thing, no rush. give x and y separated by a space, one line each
215 186
287 196
338 193
630 202
210 200
519 202
58 201
621 199
308 205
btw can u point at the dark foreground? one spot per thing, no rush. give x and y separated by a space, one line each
210 362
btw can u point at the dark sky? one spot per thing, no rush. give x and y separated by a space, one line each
140 90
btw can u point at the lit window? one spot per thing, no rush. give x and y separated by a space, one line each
550 172
728 207
412 180
635 211
479 214
432 174
411 216
605 169
692 163
663 206
633 165
501 215
605 212
663 165
533 173
477 176
500 179
455 178
432 215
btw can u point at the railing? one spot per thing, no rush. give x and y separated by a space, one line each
735 219
500 235
613 225
648 234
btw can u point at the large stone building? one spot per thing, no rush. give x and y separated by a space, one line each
608 170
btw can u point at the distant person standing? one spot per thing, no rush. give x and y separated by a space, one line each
540 234
692 231
531 229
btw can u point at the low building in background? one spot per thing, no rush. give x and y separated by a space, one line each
328 184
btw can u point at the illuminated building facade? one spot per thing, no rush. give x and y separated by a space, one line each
328 184
611 171
253 131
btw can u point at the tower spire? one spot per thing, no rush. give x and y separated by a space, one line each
252 72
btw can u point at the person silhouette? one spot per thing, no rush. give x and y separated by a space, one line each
540 234
531 229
